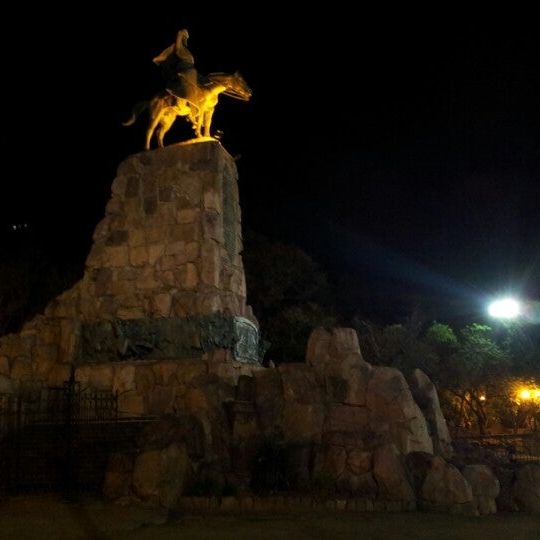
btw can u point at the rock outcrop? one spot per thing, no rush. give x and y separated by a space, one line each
485 488
425 395
439 485
526 489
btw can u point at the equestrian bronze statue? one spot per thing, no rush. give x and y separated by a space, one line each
187 93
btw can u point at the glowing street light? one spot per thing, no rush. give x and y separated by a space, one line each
505 308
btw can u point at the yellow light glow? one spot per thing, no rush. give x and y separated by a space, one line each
525 394
537 394
482 397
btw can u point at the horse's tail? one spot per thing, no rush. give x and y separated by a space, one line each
138 109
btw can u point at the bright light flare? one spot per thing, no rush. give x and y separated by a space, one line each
506 308
528 394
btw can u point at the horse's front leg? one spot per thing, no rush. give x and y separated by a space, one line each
208 122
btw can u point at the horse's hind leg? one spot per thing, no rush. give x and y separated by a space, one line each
155 118
164 126
150 132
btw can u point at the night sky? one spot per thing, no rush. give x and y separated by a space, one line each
401 153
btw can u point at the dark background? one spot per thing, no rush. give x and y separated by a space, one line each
400 150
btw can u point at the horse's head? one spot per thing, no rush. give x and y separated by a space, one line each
240 87
235 85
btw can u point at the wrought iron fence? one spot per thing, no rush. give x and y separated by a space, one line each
69 404
523 447
56 437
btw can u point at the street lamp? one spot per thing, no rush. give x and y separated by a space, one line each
505 308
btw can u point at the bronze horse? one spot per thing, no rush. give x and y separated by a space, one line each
197 107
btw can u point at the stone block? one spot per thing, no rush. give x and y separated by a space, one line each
165 373
115 256
209 303
187 215
157 233
166 194
4 365
117 238
302 422
145 379
161 474
189 371
212 223
124 378
184 303
174 248
160 400
390 475
212 200
59 374
526 489
101 377
132 187
118 476
161 304
444 486
114 207
155 251
7 385
187 232
191 188
318 347
146 280
425 395
359 461
343 342
128 313
299 383
346 418
167 213
119 185
131 404
210 264
390 400
188 276
138 256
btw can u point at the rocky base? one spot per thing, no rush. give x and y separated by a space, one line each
334 425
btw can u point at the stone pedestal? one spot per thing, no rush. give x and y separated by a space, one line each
164 278
170 242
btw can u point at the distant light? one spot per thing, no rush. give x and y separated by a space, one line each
525 394
482 397
19 226
506 308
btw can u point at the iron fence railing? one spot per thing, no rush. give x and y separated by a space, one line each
522 447
69 404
